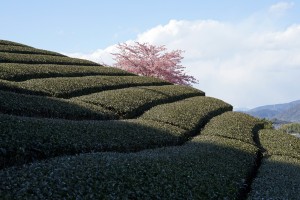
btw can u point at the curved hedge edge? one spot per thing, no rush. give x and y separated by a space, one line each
27 50
139 99
7 42
235 125
78 86
22 72
203 169
49 107
278 143
39 87
10 86
190 114
42 59
278 178
25 139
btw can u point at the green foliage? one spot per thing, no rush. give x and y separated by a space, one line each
234 125
26 50
68 87
6 42
278 178
268 124
206 168
130 102
279 143
26 139
290 128
189 114
21 72
37 106
41 59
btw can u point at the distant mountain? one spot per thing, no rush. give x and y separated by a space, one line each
285 112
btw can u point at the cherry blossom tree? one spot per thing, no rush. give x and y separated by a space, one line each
150 60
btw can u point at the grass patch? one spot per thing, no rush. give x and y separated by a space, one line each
37 106
26 139
278 178
41 59
130 102
279 143
234 125
22 72
26 50
206 168
189 114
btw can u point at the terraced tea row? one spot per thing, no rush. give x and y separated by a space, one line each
234 125
278 176
22 72
6 42
26 50
67 87
41 59
27 139
47 107
189 114
131 102
23 137
206 167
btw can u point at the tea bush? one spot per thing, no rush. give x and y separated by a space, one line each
22 72
26 50
26 139
41 59
189 114
37 106
235 125
130 102
207 167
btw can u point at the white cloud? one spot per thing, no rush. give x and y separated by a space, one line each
280 7
233 62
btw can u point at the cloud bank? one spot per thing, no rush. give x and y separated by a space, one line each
236 62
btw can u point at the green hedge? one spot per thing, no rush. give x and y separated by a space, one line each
278 178
205 168
21 72
189 114
26 50
41 59
25 139
290 128
279 143
234 125
15 87
37 106
130 102
67 87
6 42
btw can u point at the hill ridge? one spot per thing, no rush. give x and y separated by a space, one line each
71 128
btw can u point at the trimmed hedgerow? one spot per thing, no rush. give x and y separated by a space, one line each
130 102
278 178
37 106
25 139
279 143
234 125
26 50
206 168
22 72
189 114
68 87
6 42
41 59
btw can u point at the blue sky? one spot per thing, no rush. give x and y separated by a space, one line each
244 52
